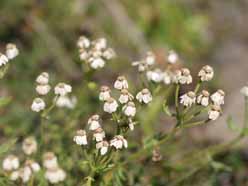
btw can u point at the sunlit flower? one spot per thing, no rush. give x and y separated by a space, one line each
100 44
38 105
188 99
99 134
129 109
14 175
110 105
214 112
96 62
244 91
80 138
43 78
156 75
3 59
29 146
62 89
83 42
43 89
104 93
172 57
119 142
125 96
94 122
103 146
203 98
11 162
144 96
11 51
121 83
218 97
50 160
55 175
206 73
108 54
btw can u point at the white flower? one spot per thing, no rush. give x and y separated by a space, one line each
43 78
203 98
103 146
55 175
144 96
172 57
121 83
129 109
108 54
62 89
94 122
155 75
183 76
100 44
43 89
142 65
150 58
50 160
125 96
214 112
80 138
206 73
34 166
83 42
167 78
110 105
119 142
131 124
3 59
244 91
29 146
11 51
104 93
83 54
25 174
11 162
188 99
96 62
218 97
99 134
38 105
66 102
14 175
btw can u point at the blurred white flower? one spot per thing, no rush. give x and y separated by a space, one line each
83 42
62 89
11 51
167 78
94 122
50 160
99 134
121 83
100 44
183 76
244 91
3 59
129 109
34 166
38 105
29 145
55 175
96 62
80 138
144 96
66 102
109 54
206 73
150 58
156 75
25 174
104 93
218 97
203 98
142 65
125 96
119 142
14 175
43 78
110 105
214 112
172 57
83 54
43 89
11 162
188 99
103 146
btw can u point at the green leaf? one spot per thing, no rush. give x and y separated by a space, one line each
231 125
218 166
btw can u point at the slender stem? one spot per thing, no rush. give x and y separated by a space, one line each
197 87
176 97
189 125
246 113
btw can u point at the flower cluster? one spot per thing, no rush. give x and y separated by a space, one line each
95 53
123 111
10 53
61 91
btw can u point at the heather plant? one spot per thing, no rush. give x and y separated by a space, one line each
99 148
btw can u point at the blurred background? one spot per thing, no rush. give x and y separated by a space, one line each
203 32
